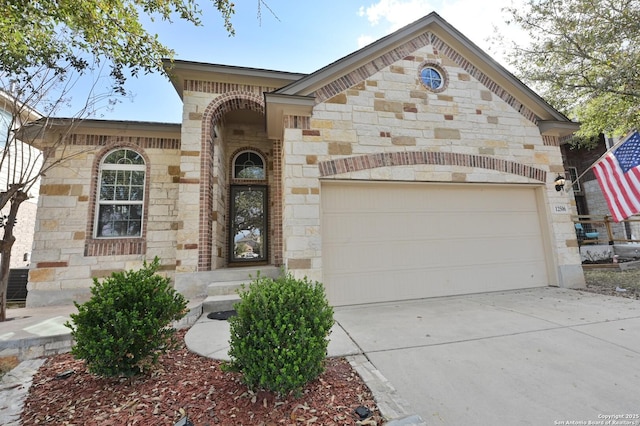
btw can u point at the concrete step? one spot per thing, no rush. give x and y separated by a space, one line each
195 284
225 287
243 273
219 303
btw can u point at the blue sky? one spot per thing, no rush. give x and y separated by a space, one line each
303 37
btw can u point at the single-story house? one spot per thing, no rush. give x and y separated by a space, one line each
414 167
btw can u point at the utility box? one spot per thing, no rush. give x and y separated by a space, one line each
17 287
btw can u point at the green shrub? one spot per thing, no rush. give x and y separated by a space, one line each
125 326
279 335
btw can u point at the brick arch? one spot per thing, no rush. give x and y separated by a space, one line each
214 113
386 159
232 101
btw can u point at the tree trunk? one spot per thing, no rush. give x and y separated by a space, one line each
6 244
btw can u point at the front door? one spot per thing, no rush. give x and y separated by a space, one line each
248 227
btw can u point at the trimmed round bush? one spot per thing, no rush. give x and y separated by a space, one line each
279 336
126 324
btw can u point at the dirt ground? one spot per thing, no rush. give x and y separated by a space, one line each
614 282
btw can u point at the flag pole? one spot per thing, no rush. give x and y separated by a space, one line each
620 142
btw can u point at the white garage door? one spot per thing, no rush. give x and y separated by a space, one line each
397 241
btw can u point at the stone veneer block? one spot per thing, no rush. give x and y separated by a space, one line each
486 151
339 148
542 158
407 107
322 124
440 133
59 189
418 94
41 275
340 98
387 106
49 225
299 263
403 140
485 95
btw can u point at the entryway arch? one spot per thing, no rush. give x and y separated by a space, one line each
231 123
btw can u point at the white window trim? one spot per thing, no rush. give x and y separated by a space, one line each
235 158
573 174
99 203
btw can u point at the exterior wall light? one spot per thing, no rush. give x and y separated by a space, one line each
559 182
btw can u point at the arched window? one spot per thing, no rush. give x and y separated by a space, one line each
120 204
248 165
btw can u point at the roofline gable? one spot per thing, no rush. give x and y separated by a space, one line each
476 60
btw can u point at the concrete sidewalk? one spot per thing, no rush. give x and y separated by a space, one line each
30 333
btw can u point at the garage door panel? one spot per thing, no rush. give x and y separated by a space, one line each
394 241
437 254
419 226
404 283
358 253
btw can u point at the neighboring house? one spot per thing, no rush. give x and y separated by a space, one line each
19 157
414 167
586 191
588 196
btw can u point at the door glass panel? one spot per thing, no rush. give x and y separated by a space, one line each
248 223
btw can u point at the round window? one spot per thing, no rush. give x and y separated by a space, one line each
431 78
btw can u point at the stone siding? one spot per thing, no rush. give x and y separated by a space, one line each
388 127
63 264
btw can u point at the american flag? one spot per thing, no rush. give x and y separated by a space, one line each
618 174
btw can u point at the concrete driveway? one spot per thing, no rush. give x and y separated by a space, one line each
545 356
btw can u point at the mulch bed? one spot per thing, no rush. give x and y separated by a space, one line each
186 384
